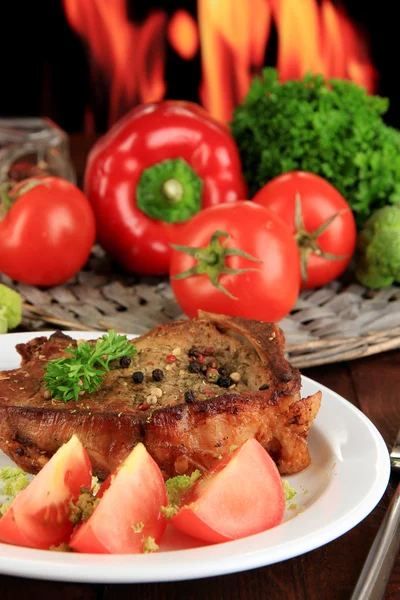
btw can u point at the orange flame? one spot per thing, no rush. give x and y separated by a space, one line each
233 38
312 37
122 51
320 39
183 34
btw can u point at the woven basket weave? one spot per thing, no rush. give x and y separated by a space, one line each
341 321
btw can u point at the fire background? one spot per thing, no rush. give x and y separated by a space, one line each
51 68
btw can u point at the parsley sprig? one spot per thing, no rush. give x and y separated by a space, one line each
84 370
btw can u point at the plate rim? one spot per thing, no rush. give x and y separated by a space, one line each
30 563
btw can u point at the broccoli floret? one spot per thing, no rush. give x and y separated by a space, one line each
3 321
378 263
10 309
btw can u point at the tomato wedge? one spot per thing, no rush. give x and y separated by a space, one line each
240 496
39 515
129 511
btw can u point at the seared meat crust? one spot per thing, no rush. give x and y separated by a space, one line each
180 436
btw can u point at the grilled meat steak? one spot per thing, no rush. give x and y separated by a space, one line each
194 388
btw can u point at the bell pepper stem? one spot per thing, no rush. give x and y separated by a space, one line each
172 190
169 191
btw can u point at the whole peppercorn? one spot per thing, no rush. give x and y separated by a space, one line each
137 377
170 358
193 352
212 363
158 374
125 361
212 375
194 366
190 397
224 381
222 371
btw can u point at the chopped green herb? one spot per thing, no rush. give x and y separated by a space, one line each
138 527
83 508
4 507
15 480
170 511
176 489
63 547
12 481
66 377
233 448
288 490
179 485
149 545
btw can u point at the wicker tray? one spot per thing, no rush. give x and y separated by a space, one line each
341 321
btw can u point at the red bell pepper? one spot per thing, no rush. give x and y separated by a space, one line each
157 167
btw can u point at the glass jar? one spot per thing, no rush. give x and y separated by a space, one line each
32 147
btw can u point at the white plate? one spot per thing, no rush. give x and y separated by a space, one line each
348 476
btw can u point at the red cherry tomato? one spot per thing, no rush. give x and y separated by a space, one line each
319 201
213 248
240 496
129 510
39 515
46 233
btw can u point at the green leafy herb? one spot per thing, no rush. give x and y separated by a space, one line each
84 371
329 127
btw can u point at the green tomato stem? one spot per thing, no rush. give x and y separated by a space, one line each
212 261
307 241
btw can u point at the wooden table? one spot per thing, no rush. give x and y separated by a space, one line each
328 573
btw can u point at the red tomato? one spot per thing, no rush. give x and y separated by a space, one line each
268 288
129 510
240 496
319 201
47 233
39 515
